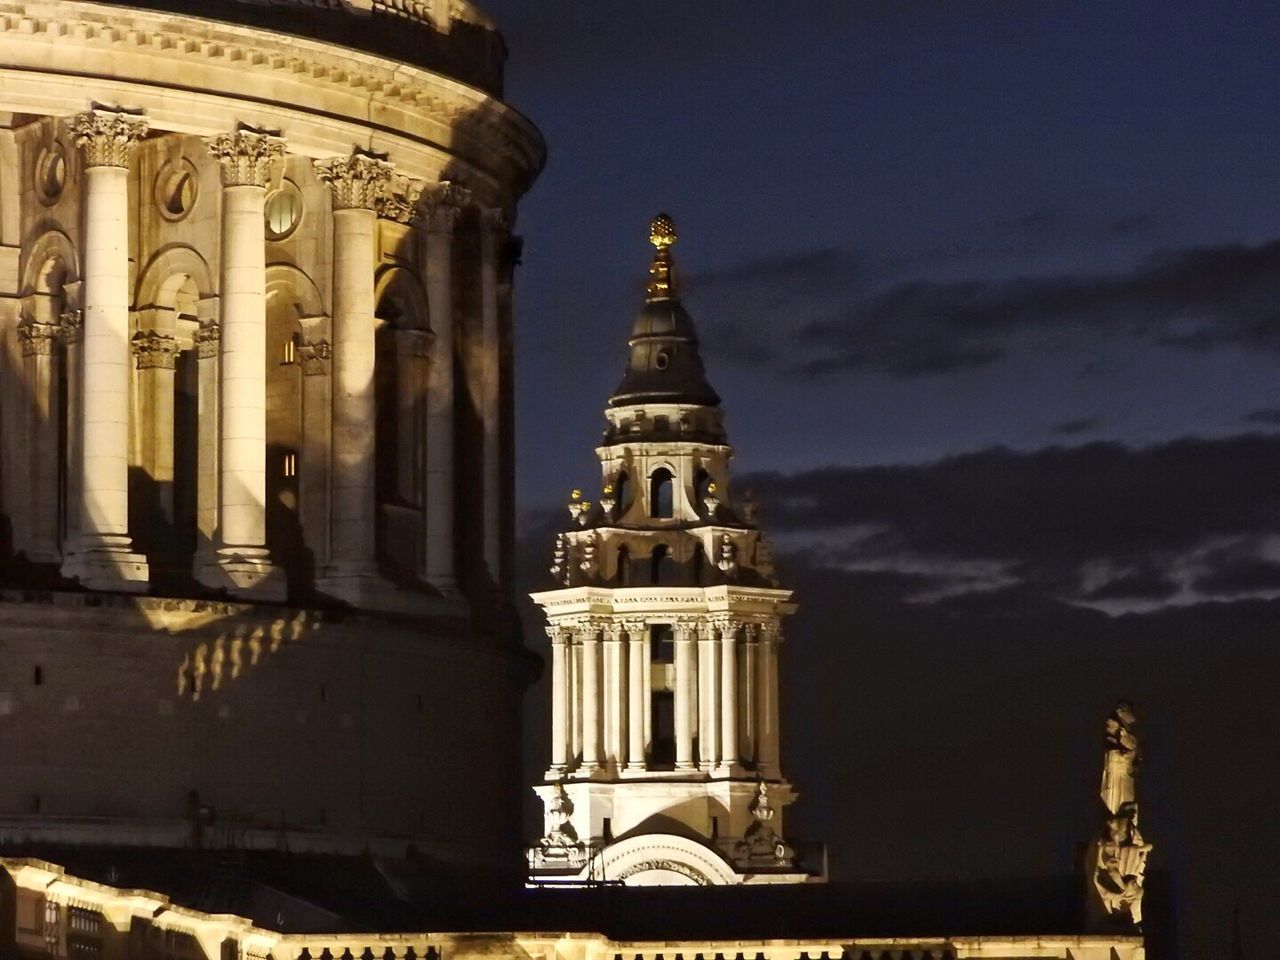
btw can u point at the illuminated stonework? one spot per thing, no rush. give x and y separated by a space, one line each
137 924
255 302
665 632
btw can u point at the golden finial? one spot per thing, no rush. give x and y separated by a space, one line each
662 234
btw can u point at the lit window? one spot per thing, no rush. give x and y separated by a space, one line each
290 465
283 211
289 354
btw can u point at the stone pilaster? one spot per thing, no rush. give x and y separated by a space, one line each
102 557
359 185
155 354
615 693
38 340
441 208
708 701
767 706
208 342
243 563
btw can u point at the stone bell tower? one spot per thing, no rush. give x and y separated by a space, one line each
665 631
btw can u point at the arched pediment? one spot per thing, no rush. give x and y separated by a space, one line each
664 859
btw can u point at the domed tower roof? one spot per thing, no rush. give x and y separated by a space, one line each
454 38
665 365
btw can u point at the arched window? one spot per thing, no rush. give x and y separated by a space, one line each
620 493
624 567
699 564
661 566
661 494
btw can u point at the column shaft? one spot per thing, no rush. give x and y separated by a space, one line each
684 697
354 232
750 696
39 345
590 701
615 699
103 557
439 220
489 372
708 703
728 695
559 699
243 564
637 656
767 716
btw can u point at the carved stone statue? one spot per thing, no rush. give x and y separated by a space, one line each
760 845
560 847
1119 855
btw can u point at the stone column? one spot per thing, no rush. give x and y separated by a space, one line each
708 701
315 354
750 696
439 216
103 557
207 341
590 700
575 701
72 330
684 696
767 708
559 698
358 184
728 696
637 694
38 338
615 706
243 563
496 235
155 356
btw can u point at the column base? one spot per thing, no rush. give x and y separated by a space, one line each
247 573
108 563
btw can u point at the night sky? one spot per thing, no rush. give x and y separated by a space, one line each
991 292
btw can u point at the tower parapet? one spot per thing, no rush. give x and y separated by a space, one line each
665 631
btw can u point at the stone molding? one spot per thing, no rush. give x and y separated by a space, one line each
153 350
106 138
36 338
362 181
188 53
314 355
247 156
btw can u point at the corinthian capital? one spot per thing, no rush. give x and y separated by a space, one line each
401 200
105 137
361 181
441 205
247 155
37 338
154 350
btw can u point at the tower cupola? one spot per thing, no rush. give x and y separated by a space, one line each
665 625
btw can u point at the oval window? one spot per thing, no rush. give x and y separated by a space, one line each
51 173
661 360
283 211
176 189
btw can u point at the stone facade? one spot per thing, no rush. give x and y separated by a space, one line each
254 317
665 633
53 916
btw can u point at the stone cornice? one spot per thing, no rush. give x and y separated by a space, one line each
743 603
305 87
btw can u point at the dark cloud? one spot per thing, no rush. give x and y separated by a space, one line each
1269 416
1236 569
1071 428
827 311
1096 522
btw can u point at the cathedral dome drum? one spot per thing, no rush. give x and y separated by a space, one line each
256 269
